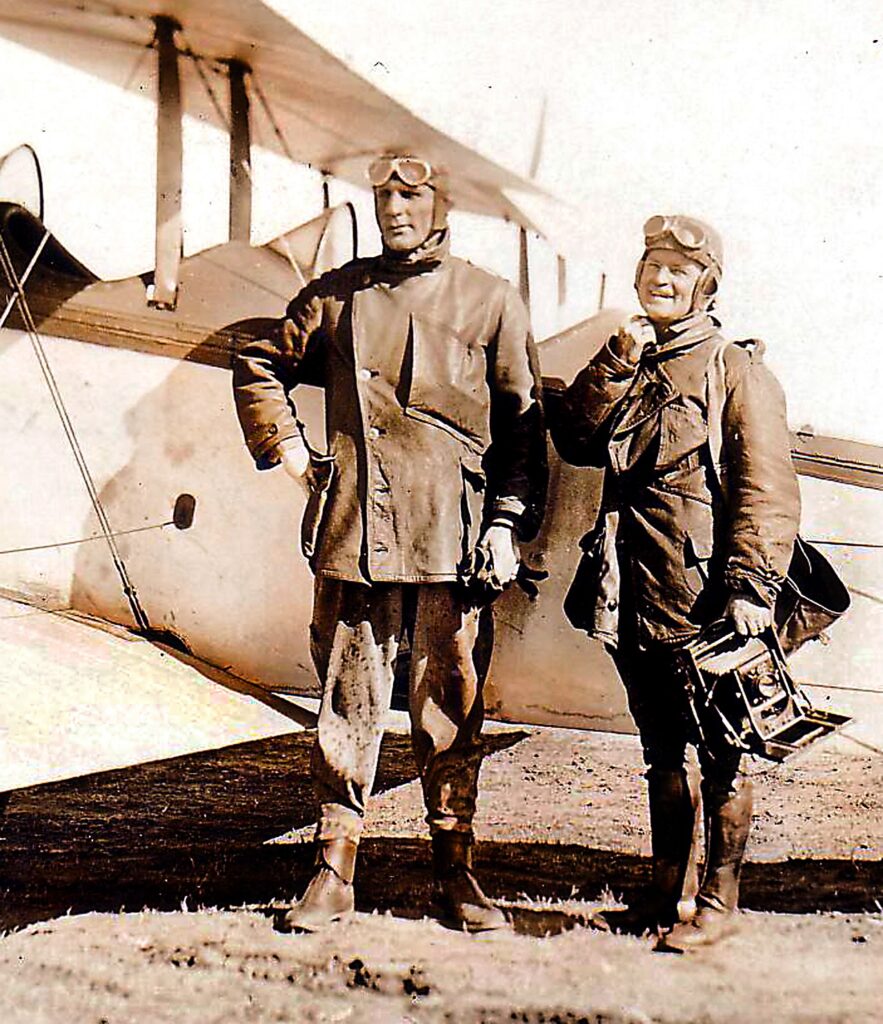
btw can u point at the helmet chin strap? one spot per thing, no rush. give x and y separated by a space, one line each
441 205
704 291
702 299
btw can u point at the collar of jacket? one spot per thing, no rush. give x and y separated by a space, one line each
652 388
682 334
431 254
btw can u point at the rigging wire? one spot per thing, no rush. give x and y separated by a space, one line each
136 68
37 345
847 544
203 77
862 743
83 540
24 278
286 148
274 124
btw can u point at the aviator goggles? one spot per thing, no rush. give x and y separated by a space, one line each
687 233
408 169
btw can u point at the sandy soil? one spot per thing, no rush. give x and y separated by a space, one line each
148 895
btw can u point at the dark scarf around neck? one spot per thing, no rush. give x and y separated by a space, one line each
690 330
427 256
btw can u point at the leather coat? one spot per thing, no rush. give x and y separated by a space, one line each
433 415
701 499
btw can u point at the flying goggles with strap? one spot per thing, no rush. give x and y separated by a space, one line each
410 170
690 236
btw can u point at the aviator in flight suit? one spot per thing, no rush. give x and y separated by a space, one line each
683 524
434 430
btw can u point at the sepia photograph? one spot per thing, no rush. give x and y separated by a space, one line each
441 548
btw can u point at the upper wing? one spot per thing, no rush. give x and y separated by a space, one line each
326 115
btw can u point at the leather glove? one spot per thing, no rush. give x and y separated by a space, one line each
629 341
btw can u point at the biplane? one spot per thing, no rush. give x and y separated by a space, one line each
139 615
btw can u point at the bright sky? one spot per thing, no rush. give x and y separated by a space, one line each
764 118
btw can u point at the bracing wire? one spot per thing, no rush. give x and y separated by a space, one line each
286 148
203 77
36 343
24 277
81 540
867 545
136 68
271 117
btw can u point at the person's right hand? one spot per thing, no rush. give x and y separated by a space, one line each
296 463
749 616
629 341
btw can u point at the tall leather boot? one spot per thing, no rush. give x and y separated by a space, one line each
457 889
330 893
674 831
727 823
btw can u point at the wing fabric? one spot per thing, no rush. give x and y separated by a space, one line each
329 117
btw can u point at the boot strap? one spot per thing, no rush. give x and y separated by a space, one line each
340 856
452 852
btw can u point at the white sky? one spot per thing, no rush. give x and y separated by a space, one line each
765 118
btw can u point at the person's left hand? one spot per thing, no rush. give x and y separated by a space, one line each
496 557
749 617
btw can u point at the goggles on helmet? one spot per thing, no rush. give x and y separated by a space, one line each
689 234
409 170
693 239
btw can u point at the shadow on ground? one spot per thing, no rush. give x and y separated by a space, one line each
192 831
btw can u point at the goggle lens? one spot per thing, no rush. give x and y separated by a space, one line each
408 170
685 233
655 227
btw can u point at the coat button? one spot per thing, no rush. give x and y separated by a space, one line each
373 433
272 429
365 373
612 606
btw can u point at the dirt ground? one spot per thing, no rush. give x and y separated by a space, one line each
147 895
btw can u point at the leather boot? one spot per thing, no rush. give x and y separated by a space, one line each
457 891
727 822
330 893
674 830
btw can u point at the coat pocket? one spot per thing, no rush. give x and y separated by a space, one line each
592 600
472 498
682 430
448 385
314 513
698 552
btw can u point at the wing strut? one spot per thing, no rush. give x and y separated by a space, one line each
523 248
169 168
240 154
523 267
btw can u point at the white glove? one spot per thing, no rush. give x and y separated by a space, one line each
749 617
497 557
295 458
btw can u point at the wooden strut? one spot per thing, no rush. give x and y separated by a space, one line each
240 153
169 167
